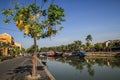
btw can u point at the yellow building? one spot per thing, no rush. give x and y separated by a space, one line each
6 38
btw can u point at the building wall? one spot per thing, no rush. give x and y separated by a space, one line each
18 45
7 39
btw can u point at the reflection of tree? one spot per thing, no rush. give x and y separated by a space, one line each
61 59
89 63
109 61
75 62
90 69
100 62
115 63
79 65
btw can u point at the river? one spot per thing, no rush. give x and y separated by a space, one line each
74 68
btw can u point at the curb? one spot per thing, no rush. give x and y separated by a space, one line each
47 71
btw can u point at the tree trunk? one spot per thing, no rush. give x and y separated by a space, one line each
34 69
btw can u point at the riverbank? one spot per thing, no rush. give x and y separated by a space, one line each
103 54
45 70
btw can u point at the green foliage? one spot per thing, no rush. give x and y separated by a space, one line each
89 38
7 20
98 46
88 41
12 52
31 19
31 49
7 12
4 45
55 14
62 48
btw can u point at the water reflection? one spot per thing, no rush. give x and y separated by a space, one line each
91 68
79 63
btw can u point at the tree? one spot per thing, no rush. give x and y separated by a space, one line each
89 40
31 49
110 45
77 44
5 46
98 46
36 21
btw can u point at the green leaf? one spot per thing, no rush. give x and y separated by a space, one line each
7 12
6 20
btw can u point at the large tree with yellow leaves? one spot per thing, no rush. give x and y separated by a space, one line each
36 21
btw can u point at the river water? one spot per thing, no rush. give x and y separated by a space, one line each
74 68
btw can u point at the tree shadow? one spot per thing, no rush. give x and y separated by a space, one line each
24 69
40 68
21 70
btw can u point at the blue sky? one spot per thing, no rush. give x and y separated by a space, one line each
100 18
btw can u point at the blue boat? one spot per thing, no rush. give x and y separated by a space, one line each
58 55
82 54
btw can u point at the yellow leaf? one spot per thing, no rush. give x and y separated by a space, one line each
16 22
19 26
38 34
21 15
26 29
21 22
26 32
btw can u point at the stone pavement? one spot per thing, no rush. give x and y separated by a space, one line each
17 69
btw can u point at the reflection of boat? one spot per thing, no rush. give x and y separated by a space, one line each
51 55
44 63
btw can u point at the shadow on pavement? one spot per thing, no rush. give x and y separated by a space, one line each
23 69
20 72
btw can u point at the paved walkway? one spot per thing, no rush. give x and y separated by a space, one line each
18 68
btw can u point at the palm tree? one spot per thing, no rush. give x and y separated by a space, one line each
89 40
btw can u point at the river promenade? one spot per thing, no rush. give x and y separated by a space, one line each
103 54
18 68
